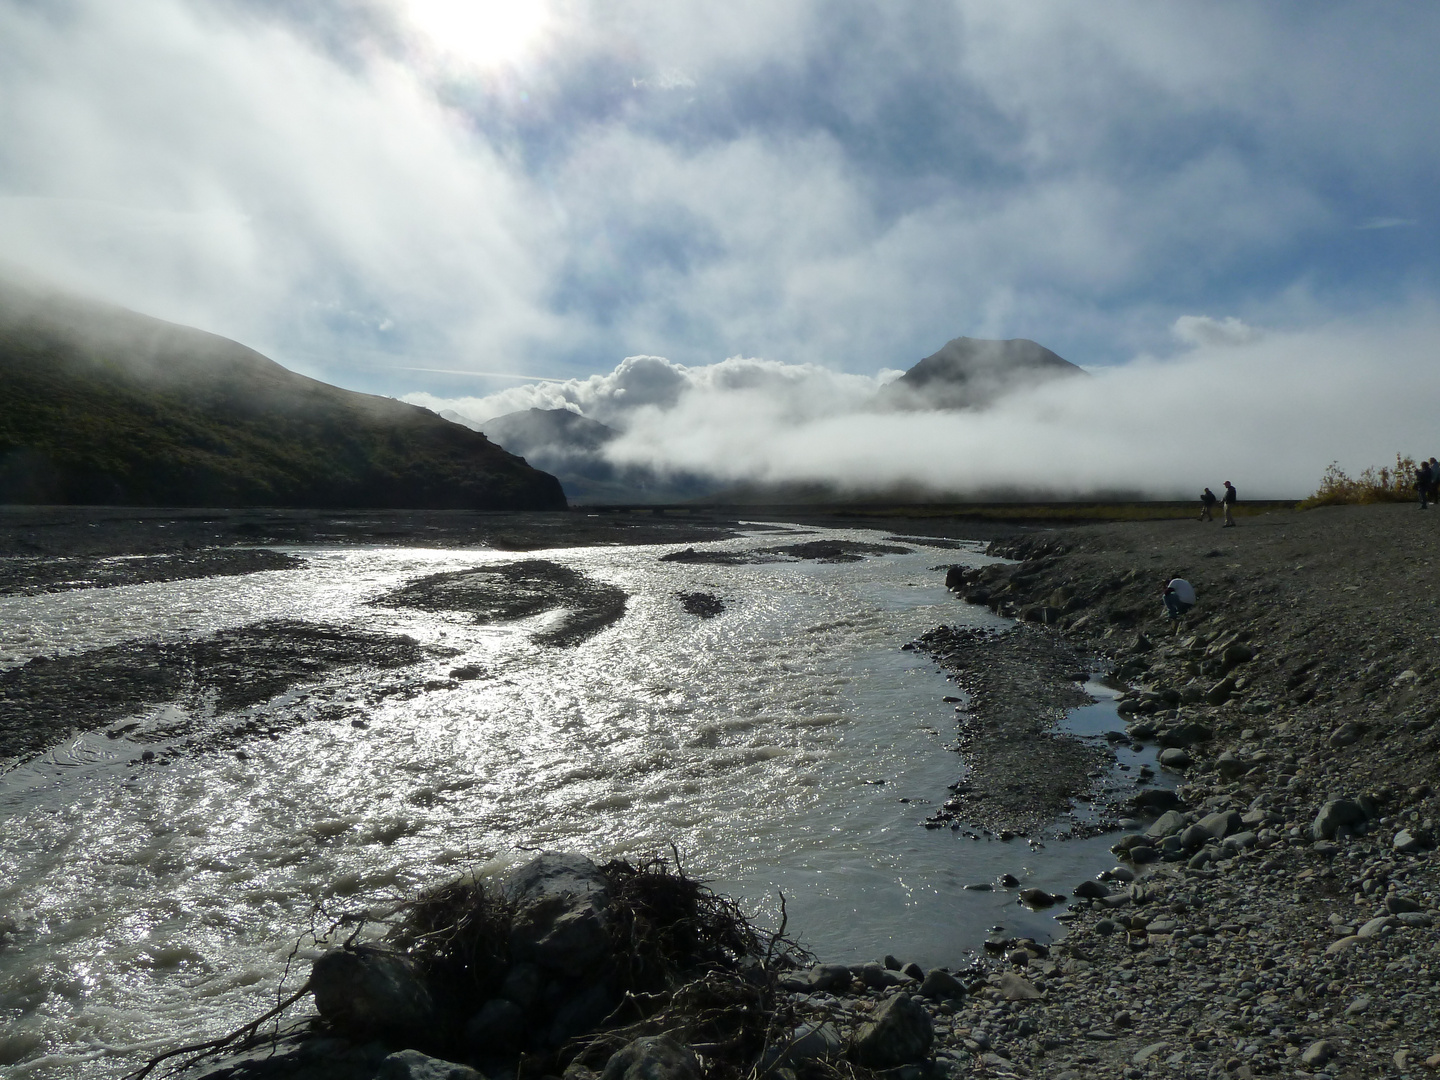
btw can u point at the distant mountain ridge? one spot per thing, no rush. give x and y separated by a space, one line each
971 373
101 405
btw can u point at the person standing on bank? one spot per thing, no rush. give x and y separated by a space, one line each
1227 502
1179 597
1422 481
1207 505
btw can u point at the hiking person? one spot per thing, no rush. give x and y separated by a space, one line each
1423 479
1434 480
1179 597
1227 501
1207 505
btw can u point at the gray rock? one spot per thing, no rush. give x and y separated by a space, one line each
652 1057
1375 926
1155 799
413 1065
829 978
1333 816
1220 692
1231 766
1317 1054
1344 735
1146 1053
941 984
561 923
1036 898
1241 841
1396 904
1409 843
806 1043
1167 824
899 1032
1221 824
1174 758
1090 889
1017 988
364 990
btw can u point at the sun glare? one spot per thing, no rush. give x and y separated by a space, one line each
481 32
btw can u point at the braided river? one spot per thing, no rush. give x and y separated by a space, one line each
787 748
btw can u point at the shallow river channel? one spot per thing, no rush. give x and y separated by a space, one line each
788 746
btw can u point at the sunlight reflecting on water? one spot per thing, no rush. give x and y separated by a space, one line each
786 745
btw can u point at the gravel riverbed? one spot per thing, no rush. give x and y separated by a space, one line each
1281 919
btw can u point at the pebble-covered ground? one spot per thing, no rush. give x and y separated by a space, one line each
1282 919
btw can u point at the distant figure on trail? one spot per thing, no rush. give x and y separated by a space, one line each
1207 505
1227 501
1434 480
1179 597
1423 479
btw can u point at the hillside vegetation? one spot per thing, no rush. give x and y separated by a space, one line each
99 405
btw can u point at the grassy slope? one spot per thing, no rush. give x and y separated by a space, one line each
100 405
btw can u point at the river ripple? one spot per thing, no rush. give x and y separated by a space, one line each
787 746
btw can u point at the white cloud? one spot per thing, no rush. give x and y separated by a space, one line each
1203 330
1267 412
219 171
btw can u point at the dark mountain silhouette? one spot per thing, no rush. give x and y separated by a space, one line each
100 405
970 373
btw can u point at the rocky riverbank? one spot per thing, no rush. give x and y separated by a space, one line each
1279 919
1282 918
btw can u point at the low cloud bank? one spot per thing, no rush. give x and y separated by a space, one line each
1267 411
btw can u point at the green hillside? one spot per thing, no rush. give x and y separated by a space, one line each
99 405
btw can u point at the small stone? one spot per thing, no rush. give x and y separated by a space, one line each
1036 898
1091 889
1359 1006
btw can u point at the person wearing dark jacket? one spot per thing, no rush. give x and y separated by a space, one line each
1207 505
1423 479
1226 502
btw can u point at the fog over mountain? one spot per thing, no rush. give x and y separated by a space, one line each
1268 410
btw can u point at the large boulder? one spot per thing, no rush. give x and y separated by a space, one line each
364 991
653 1057
900 1032
561 919
1335 815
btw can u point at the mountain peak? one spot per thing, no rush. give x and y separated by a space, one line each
969 373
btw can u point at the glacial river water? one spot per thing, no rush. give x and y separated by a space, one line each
788 746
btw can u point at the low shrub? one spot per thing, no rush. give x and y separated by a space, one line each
1384 484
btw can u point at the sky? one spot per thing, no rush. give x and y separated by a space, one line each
1226 212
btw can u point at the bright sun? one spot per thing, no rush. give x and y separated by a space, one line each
483 32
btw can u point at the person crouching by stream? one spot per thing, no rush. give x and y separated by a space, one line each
1227 503
1207 505
1179 598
